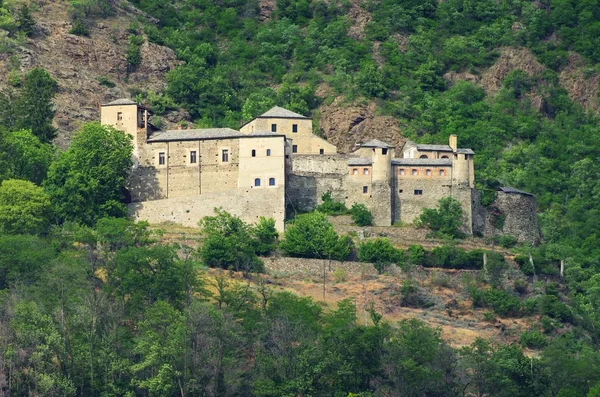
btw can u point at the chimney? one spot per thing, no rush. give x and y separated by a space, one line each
453 142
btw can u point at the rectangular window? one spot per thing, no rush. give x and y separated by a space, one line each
365 189
294 127
384 151
271 181
401 171
418 192
119 116
161 158
225 156
366 171
321 151
355 171
294 148
273 127
193 158
268 152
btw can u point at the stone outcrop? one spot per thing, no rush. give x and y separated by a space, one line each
510 59
581 83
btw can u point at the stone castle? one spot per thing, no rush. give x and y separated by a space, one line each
275 164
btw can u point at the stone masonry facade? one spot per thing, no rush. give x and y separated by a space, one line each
275 165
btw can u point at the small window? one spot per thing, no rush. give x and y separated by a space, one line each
161 158
423 156
257 182
268 152
366 171
225 156
273 127
253 153
442 173
294 127
119 116
418 192
271 181
294 148
321 151
193 158
365 189
401 171
400 191
444 157
428 172
355 171
384 151
414 172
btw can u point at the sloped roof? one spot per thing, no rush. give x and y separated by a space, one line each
120 102
205 133
424 162
512 190
376 143
279 112
360 161
435 148
465 151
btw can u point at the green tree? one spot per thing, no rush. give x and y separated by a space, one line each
266 236
86 182
25 157
361 215
25 20
34 105
444 220
380 252
24 208
312 236
22 259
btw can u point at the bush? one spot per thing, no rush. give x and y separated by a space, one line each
501 302
312 236
379 251
445 220
330 206
451 257
79 28
361 215
533 339
416 255
507 241
551 306
520 286
411 295
103 80
265 235
339 275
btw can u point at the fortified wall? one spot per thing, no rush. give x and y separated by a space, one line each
518 216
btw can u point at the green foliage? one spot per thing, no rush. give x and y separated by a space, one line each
25 20
533 339
23 156
451 257
24 208
312 236
380 252
23 258
416 255
444 220
330 206
500 301
361 215
79 28
86 182
230 243
507 241
134 54
105 81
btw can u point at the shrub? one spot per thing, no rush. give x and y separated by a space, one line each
265 235
451 257
520 286
445 220
507 241
489 317
441 279
416 255
79 28
379 251
339 275
361 215
312 236
502 302
330 206
551 306
411 295
103 80
533 339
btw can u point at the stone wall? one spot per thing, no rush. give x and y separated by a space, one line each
520 211
314 267
248 204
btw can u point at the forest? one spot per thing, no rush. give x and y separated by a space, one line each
93 304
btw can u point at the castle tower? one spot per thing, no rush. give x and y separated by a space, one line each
381 204
127 116
463 174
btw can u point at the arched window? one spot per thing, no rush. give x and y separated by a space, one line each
414 172
257 182
253 153
442 173
401 171
355 171
428 172
268 152
366 171
271 181
423 156
444 157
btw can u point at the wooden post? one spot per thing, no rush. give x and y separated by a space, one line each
533 267
562 268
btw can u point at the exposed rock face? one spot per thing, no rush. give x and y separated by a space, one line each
78 62
346 126
359 18
453 77
266 8
582 88
510 59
